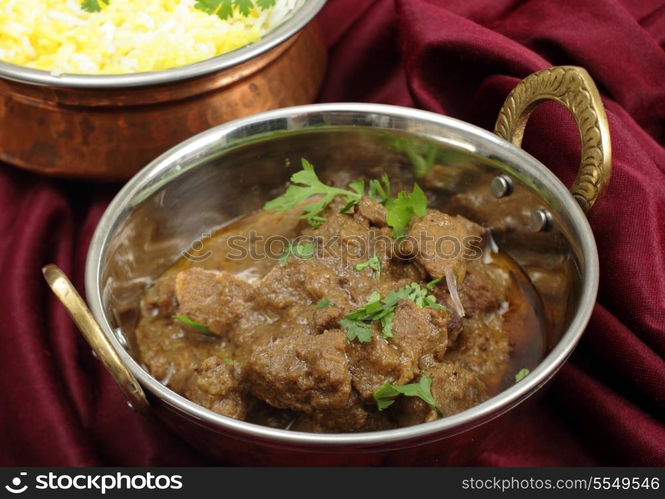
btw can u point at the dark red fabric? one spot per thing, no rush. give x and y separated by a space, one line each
458 57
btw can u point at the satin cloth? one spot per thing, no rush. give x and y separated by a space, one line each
455 57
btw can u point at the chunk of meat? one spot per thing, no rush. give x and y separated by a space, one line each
483 348
171 355
160 297
455 388
326 318
440 242
342 242
374 363
302 372
215 298
349 240
371 211
412 411
300 282
419 337
485 288
352 417
342 236
406 271
215 385
420 331
281 288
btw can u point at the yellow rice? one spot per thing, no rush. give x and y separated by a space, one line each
127 36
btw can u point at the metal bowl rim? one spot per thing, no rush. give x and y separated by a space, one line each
300 18
148 179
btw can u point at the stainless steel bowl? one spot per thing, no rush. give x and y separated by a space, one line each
233 169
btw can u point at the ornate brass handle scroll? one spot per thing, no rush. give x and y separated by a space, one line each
573 87
80 313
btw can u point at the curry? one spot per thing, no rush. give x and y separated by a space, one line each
341 307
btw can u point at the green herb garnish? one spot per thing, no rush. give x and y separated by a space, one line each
93 5
432 284
306 184
357 323
324 303
359 187
373 263
357 330
302 250
220 8
521 374
401 209
386 395
421 155
224 8
380 191
201 328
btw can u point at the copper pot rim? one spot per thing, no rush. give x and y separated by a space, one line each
301 17
155 175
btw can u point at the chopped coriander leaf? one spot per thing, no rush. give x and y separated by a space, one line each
324 303
228 361
385 396
401 209
521 374
417 294
244 6
221 8
432 284
224 8
301 249
422 155
304 185
383 310
380 191
363 313
430 301
356 329
387 324
373 263
265 4
93 5
359 187
423 165
197 326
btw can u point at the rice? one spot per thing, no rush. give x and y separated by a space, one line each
126 36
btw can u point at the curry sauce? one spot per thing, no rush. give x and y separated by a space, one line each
341 327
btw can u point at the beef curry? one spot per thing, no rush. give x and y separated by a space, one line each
342 309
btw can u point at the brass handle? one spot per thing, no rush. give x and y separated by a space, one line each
573 87
80 313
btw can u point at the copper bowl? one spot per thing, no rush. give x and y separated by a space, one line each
233 169
106 128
